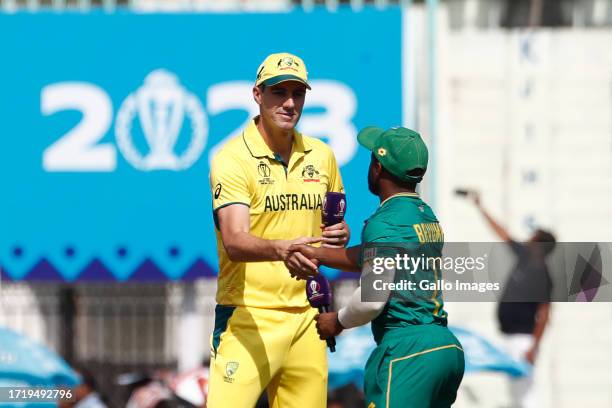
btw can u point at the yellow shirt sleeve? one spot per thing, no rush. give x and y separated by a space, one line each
229 181
335 179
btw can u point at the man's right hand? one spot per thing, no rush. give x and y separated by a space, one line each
475 196
308 251
299 265
328 325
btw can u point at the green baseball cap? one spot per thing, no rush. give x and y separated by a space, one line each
399 150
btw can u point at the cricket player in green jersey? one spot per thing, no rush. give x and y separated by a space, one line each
418 362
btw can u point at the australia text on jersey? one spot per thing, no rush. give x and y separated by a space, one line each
292 202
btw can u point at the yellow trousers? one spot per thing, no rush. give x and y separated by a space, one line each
254 349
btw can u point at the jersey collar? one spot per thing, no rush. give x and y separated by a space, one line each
301 146
400 195
258 148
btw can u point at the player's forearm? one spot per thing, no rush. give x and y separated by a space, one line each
346 259
542 317
357 313
244 247
499 230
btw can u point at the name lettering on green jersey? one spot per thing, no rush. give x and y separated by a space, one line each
292 202
429 232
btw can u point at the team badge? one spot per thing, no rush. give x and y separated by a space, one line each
230 369
310 173
287 63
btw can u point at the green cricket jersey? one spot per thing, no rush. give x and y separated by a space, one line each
405 222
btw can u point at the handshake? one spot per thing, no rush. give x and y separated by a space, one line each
300 257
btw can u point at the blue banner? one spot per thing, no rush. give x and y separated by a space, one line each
109 121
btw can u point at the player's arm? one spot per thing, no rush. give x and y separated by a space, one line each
242 246
231 196
355 312
501 232
542 317
346 259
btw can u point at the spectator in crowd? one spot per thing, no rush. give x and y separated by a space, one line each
86 394
524 309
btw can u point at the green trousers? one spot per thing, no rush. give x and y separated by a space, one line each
414 367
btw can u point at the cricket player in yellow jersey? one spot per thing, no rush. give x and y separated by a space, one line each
268 185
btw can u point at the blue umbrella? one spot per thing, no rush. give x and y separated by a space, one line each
482 355
347 364
24 362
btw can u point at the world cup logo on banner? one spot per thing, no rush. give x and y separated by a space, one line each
161 105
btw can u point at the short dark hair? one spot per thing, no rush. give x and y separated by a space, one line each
547 239
409 185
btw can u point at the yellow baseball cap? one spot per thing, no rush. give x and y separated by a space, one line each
282 67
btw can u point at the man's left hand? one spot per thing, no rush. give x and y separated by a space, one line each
328 325
531 354
336 236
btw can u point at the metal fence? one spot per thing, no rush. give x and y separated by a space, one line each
109 329
117 323
114 328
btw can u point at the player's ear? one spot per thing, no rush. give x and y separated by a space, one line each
257 94
377 167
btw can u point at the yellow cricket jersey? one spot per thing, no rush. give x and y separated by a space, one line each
284 203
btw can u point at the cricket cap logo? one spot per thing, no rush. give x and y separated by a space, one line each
287 62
